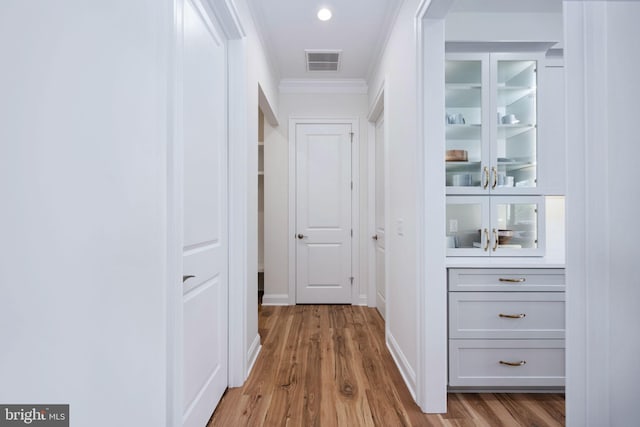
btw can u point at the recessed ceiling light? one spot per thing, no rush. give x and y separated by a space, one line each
324 14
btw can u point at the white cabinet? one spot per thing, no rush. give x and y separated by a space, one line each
495 226
491 123
506 328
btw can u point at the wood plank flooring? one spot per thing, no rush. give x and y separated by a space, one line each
328 365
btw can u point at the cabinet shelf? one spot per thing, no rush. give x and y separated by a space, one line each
508 131
463 96
509 95
470 131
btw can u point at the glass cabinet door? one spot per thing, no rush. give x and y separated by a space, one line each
514 145
467 226
516 226
465 107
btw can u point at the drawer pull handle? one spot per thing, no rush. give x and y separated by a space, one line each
520 363
512 316
520 280
185 278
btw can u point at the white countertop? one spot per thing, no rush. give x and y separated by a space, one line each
511 262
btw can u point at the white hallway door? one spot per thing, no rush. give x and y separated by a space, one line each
323 213
205 251
379 236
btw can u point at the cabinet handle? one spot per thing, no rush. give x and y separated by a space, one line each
495 242
486 177
494 171
512 316
520 363
520 280
486 237
185 278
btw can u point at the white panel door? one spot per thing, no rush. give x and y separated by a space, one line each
323 213
379 237
205 256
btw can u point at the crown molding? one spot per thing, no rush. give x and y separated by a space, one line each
323 86
257 15
393 10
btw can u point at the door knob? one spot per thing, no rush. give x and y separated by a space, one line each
185 278
301 236
374 237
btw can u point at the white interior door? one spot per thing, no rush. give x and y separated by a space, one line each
379 237
205 252
323 213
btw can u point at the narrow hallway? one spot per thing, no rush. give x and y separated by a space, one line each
328 365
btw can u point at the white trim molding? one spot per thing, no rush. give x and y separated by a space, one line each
432 274
275 299
252 354
408 374
323 86
355 205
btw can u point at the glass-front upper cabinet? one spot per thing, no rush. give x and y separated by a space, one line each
466 99
495 226
491 123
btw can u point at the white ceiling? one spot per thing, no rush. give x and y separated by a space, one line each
359 28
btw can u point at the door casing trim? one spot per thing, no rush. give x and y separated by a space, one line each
355 197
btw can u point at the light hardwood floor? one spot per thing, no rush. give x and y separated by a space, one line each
327 365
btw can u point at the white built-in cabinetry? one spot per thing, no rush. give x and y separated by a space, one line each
504 154
506 327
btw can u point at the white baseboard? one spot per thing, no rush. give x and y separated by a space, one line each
363 300
381 304
408 374
275 299
253 353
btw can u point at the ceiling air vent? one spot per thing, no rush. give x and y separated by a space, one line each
323 60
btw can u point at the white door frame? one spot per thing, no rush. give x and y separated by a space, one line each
377 112
431 372
226 15
355 210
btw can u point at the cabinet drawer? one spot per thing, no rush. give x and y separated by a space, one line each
477 363
506 279
522 315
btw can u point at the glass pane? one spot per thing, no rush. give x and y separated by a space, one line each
463 104
464 222
517 123
517 225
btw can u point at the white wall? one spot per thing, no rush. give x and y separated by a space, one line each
259 72
276 183
623 62
83 178
397 69
466 26
602 204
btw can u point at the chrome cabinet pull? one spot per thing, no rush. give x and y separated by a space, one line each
520 280
185 278
495 236
374 237
520 363
512 316
301 236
